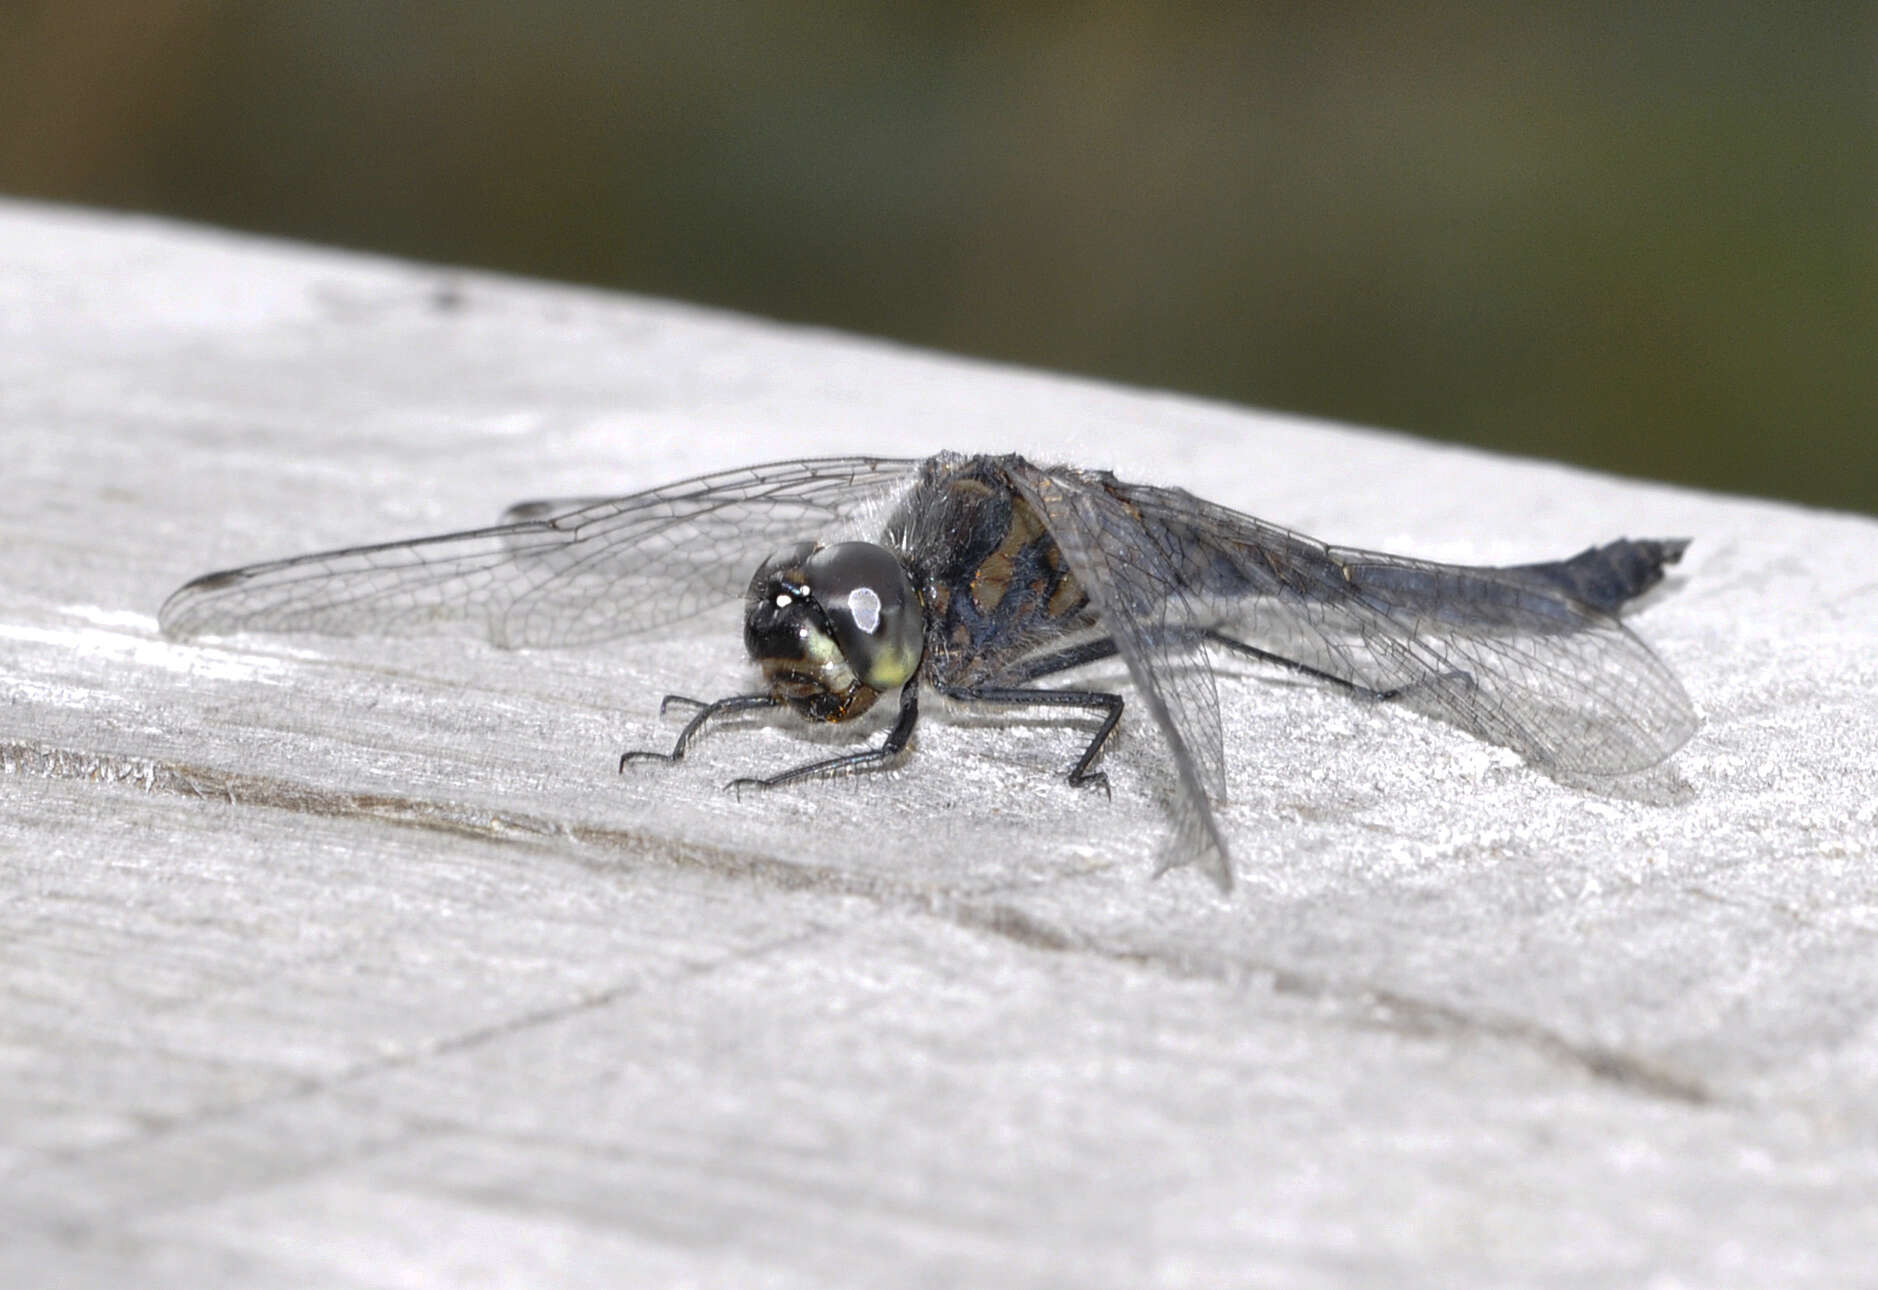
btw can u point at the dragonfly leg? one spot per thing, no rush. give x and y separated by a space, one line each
1076 656
1110 705
890 748
735 703
1361 691
671 701
1061 661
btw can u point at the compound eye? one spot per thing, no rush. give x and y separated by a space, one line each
869 601
865 609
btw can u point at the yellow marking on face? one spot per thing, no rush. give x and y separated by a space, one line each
893 667
819 647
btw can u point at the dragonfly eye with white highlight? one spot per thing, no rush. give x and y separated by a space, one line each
872 609
864 608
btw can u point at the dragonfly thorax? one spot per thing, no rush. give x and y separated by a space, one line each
833 628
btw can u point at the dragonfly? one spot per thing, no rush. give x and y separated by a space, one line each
983 579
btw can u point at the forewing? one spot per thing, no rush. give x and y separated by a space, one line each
603 569
1504 653
1136 583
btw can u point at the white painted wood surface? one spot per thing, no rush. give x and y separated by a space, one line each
353 963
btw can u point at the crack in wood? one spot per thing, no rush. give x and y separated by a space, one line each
1401 1012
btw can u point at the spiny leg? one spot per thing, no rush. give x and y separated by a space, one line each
735 703
1361 691
1094 700
1105 647
889 748
1061 661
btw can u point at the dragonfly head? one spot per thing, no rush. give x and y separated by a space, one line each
833 628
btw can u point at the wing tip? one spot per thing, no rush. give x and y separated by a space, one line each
1654 744
1215 866
181 617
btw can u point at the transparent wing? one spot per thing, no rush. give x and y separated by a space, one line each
1139 586
1532 657
603 569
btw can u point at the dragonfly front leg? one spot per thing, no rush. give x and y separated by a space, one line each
890 748
735 703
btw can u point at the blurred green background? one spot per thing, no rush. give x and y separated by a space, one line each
1643 237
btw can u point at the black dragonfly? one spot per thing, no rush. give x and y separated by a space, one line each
980 576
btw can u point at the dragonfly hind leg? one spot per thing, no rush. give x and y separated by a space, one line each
1110 705
706 711
1105 647
1361 691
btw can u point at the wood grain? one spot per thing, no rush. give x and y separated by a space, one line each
356 963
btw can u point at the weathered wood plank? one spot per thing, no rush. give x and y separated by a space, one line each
356 963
